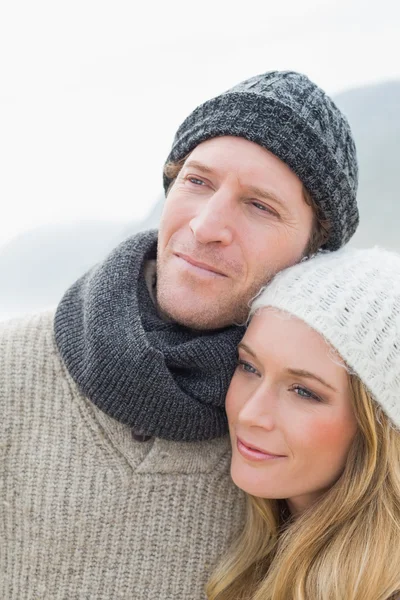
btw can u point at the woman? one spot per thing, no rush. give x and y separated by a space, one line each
314 418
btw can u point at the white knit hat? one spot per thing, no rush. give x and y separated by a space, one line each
352 298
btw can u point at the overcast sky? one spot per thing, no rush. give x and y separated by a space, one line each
91 92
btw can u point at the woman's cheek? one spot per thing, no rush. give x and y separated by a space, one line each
234 401
324 435
232 412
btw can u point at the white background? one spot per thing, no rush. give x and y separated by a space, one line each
91 92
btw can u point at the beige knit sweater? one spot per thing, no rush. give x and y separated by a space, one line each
86 511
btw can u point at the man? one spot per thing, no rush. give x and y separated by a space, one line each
115 465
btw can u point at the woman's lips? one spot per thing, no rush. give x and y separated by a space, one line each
255 454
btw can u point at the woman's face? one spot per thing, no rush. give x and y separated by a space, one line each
290 413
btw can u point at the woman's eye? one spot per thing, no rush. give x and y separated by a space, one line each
246 367
305 393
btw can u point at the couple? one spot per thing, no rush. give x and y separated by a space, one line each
116 470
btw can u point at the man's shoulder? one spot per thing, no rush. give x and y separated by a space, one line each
29 325
25 340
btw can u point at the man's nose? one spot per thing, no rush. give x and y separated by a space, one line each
213 221
259 410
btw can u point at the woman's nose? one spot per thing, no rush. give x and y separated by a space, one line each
258 410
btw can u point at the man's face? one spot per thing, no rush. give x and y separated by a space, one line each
233 218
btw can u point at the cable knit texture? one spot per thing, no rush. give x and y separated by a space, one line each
351 297
160 378
88 513
289 115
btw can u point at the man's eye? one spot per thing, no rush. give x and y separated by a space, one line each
265 208
196 181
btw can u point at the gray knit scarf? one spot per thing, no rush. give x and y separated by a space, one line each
159 377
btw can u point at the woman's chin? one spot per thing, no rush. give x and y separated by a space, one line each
254 484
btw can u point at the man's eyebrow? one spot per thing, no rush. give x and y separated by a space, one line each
308 375
254 190
198 165
247 349
266 195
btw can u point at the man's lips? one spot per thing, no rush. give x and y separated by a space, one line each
255 453
199 264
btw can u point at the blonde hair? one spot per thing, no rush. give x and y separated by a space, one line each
346 547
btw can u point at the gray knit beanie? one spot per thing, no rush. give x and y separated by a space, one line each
289 115
352 298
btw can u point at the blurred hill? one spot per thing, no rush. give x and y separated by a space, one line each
37 267
374 115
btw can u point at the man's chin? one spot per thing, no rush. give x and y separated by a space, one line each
201 316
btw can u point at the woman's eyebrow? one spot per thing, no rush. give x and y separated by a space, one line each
247 349
302 373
